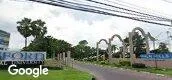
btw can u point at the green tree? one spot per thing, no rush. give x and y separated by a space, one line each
83 42
27 27
81 50
50 45
114 48
24 28
162 48
139 44
38 28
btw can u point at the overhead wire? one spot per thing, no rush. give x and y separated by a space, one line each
133 14
128 10
141 16
139 8
60 3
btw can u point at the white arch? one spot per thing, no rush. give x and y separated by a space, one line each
111 39
145 36
152 39
103 40
131 41
140 29
118 36
97 46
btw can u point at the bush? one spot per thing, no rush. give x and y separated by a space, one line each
116 65
104 63
124 63
138 65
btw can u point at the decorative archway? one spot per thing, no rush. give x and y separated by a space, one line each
97 46
152 39
146 36
110 40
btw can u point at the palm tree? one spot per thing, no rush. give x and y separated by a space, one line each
24 27
114 48
83 42
38 28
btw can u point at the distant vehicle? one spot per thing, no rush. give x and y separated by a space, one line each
4 40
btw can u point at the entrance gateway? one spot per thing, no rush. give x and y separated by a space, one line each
11 57
20 62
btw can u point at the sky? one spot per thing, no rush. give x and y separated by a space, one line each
74 26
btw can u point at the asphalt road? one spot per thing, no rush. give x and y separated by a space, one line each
107 73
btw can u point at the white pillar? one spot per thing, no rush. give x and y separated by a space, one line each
64 58
61 56
110 50
68 57
58 56
124 49
147 43
131 47
97 47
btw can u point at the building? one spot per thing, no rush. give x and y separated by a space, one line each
4 40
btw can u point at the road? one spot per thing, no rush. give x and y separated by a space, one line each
107 73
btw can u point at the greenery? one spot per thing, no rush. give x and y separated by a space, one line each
139 44
27 27
161 49
138 65
124 63
82 51
66 74
24 28
49 45
155 70
37 29
104 62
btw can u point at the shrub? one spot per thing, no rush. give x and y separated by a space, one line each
138 65
116 65
104 63
124 63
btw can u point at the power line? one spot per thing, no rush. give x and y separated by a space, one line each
128 10
167 1
77 7
133 14
136 7
137 14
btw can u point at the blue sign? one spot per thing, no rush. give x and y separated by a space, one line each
22 56
4 38
153 56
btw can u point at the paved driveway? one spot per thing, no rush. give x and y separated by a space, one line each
107 73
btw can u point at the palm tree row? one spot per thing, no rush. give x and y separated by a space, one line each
27 27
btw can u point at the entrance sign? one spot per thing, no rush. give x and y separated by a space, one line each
4 40
153 56
22 56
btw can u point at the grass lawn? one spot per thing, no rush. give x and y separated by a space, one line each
65 74
158 71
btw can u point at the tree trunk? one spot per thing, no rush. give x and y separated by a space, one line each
25 42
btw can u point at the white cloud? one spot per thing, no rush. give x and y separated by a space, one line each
70 25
